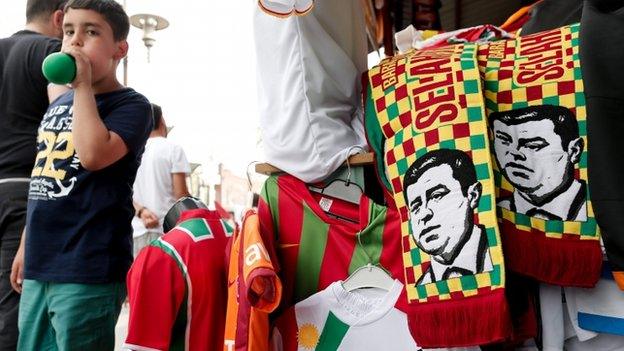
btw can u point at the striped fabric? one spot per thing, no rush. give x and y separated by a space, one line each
533 75
176 288
253 289
316 250
420 105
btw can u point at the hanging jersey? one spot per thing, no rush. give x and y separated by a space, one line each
316 249
254 290
176 287
335 319
285 8
311 116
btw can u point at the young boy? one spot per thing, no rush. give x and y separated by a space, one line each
78 235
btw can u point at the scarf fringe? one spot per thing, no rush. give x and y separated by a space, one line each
475 320
563 262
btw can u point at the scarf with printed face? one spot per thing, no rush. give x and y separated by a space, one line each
536 110
426 122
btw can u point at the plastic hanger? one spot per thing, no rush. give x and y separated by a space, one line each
369 276
250 192
249 185
343 189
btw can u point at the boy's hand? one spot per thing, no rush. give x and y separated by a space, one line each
17 270
83 68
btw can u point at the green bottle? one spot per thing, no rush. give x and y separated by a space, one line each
59 68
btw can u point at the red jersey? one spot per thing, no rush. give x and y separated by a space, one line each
177 289
315 249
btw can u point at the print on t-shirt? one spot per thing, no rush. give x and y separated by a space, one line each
53 175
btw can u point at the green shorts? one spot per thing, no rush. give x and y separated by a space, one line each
61 316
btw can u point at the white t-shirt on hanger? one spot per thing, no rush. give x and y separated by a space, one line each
309 87
362 319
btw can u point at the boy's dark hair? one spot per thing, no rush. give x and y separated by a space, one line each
39 8
112 12
157 112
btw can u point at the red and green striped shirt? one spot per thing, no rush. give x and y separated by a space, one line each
315 249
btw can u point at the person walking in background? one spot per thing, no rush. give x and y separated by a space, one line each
23 101
76 248
161 180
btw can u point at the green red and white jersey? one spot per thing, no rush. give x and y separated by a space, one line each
336 319
177 287
254 290
315 249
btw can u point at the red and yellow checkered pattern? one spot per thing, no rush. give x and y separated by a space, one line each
393 92
498 63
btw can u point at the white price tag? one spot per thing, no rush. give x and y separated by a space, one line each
325 203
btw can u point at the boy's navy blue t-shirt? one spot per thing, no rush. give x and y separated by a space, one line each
78 221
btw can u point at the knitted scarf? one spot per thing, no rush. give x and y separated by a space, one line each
536 109
425 121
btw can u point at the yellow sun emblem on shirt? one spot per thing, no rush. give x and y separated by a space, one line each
308 336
